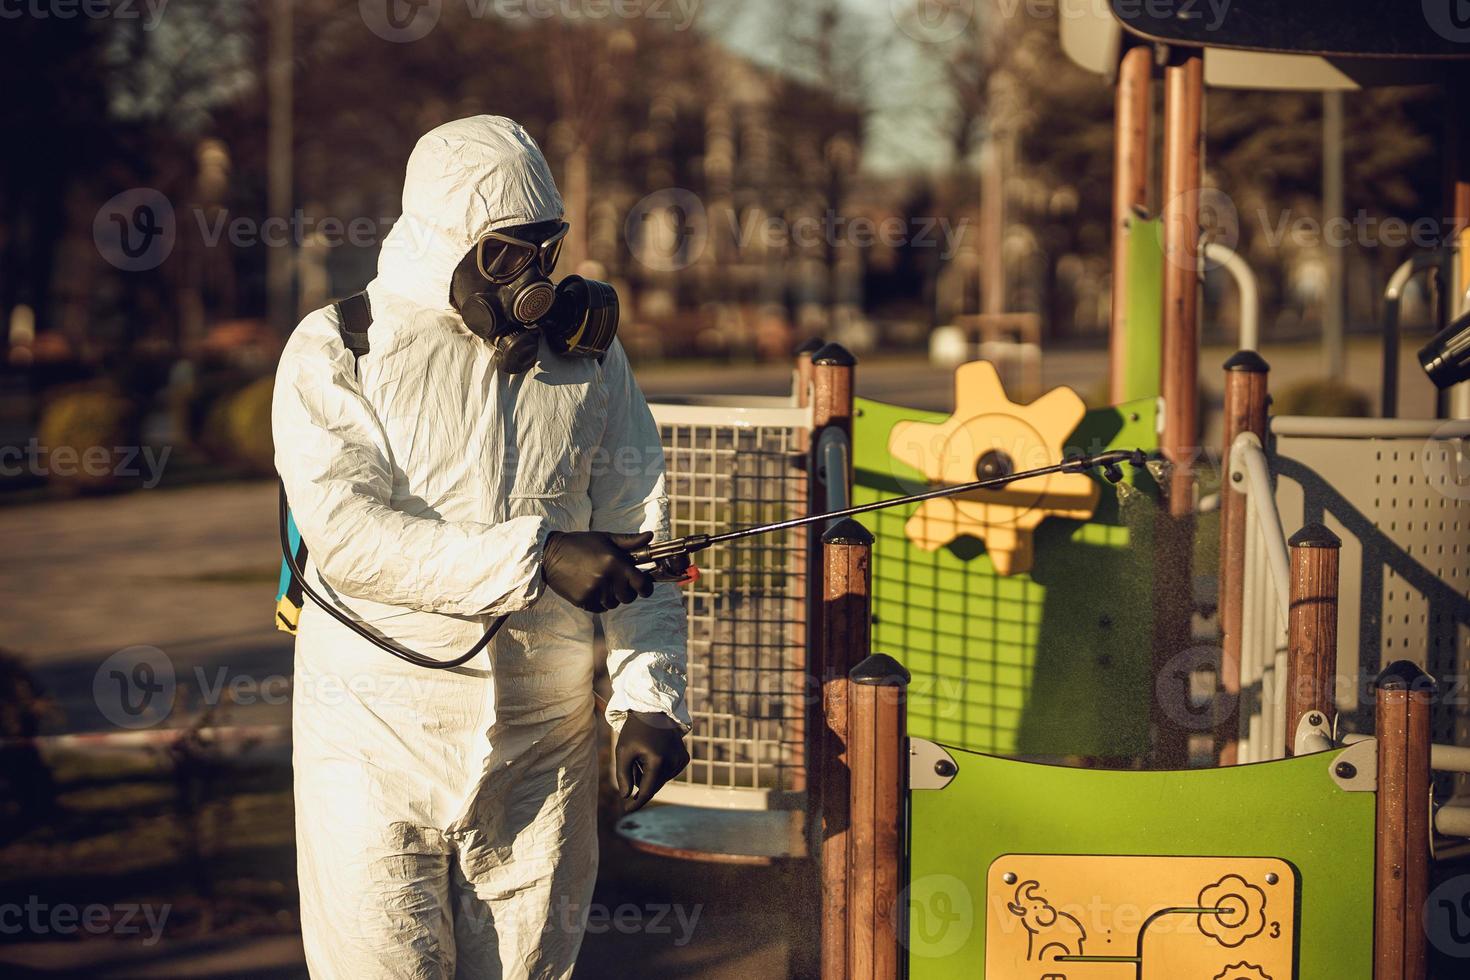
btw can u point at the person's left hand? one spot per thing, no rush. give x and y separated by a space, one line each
649 752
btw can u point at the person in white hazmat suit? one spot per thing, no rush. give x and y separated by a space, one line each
446 819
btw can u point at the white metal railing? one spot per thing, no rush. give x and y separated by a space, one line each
1264 605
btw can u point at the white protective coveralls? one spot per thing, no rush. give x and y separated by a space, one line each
446 820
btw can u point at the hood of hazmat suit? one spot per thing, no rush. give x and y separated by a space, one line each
445 820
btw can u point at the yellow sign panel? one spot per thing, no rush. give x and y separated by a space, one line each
1099 917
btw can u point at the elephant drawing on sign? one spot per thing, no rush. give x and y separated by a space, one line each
1050 933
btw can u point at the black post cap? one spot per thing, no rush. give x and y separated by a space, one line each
808 347
1247 360
834 354
1314 535
880 669
847 531
1404 675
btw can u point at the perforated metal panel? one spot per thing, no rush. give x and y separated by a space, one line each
1398 494
747 610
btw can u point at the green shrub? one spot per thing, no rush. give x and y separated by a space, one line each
1322 396
237 427
87 434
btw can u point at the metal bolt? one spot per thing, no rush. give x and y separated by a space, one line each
1346 770
1009 878
1237 477
944 769
1314 719
1272 878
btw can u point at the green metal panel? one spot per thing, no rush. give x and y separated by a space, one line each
1290 809
1054 662
1145 311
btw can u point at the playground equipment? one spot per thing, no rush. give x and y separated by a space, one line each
939 857
938 860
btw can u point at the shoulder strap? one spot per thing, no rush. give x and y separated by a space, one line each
354 316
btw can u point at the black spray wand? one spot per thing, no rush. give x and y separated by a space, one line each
672 550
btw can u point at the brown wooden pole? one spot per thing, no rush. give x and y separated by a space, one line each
1183 159
878 757
1133 111
1401 854
1179 384
844 643
1311 628
1246 401
801 374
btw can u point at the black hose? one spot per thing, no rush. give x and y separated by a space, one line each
381 642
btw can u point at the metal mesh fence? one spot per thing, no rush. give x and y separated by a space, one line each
747 610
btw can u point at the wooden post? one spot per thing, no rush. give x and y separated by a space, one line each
1311 642
833 371
1179 385
1246 400
879 759
801 375
1401 852
844 641
1133 101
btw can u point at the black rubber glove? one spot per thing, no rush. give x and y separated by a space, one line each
648 753
592 570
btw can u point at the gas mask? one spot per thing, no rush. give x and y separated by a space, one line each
519 305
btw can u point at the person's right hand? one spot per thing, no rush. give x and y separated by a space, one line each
592 569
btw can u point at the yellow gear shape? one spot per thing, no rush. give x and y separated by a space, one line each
990 435
1242 971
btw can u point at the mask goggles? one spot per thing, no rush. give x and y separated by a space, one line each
578 317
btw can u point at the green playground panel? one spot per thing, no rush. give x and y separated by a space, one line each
1145 308
1289 809
1050 663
